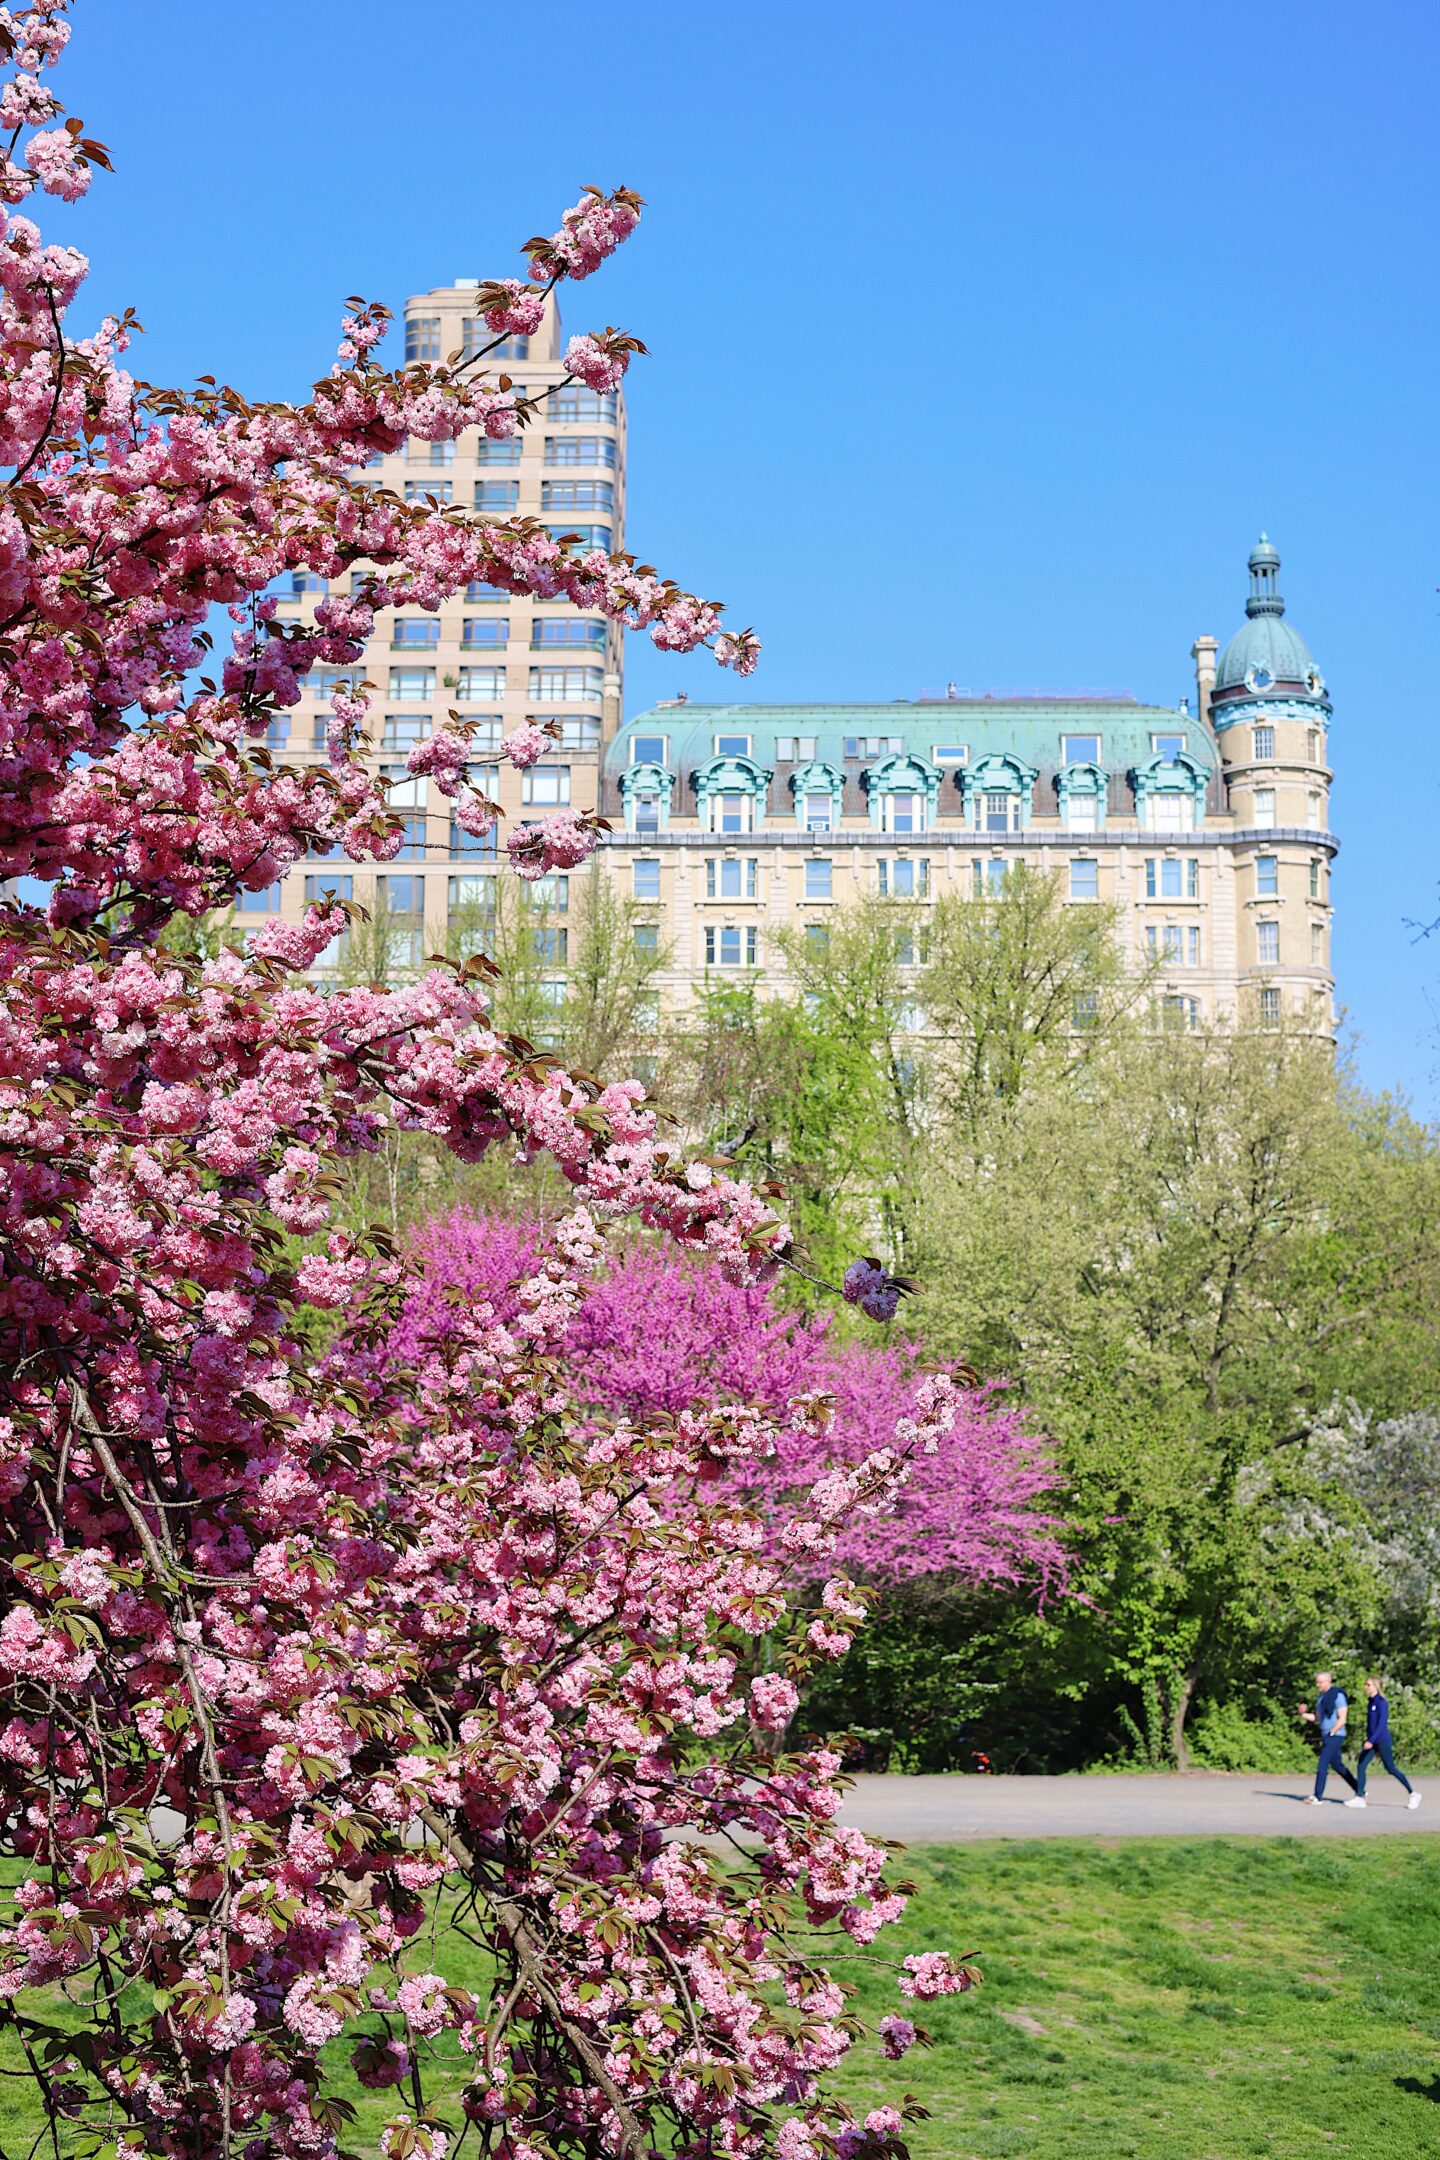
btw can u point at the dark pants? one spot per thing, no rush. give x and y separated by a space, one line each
1330 1748
1383 1749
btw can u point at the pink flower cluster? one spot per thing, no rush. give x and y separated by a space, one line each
590 231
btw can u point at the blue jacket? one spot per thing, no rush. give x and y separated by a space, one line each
1377 1720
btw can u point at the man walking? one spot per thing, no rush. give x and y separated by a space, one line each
1329 1715
1377 1742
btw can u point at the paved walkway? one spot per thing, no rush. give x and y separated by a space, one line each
947 1810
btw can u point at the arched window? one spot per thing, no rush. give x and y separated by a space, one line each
903 793
998 793
730 794
1170 792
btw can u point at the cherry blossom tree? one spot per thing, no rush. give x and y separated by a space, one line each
650 1336
299 1650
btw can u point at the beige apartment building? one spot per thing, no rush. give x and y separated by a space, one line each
1208 829
496 659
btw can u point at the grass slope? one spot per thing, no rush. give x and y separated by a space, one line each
1149 1999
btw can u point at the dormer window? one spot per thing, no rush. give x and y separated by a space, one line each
1168 747
730 812
950 754
649 749
732 746
1080 749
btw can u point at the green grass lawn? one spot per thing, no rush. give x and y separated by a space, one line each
1160 1998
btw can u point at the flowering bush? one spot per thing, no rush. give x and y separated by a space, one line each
289 1644
652 1337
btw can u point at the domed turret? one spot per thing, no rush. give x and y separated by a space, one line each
1268 654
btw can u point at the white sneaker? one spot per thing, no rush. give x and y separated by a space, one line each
1312 1799
1357 1802
1414 1800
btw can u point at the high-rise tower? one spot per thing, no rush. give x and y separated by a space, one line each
495 658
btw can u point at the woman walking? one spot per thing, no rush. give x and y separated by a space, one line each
1377 1742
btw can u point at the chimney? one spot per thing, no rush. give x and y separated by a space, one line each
1203 652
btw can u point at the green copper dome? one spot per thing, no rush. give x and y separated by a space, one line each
1268 650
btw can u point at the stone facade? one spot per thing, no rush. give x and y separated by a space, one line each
1208 830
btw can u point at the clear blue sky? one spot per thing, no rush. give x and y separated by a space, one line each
983 340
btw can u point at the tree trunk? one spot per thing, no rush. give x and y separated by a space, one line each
1179 1711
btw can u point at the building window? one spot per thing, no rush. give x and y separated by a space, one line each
418 630
906 877
404 730
1080 749
1179 1012
1267 876
473 896
1170 811
645 879
442 491
263 901
478 590
577 495
1315 893
902 813
819 813
483 847
731 813
999 813
412 685
1264 806
338 888
435 454
578 732
476 337
496 494
867 746
1084 878
422 339
506 451
1085 1011
482 630
647 938
568 630
649 749
1312 745
1312 811
480 685
277 733
584 537
550 944
1082 812
574 403
1168 747
1270 1008
579 450
955 753
646 812
988 879
306 581
401 895
1267 943
732 746
794 749
566 685
1264 743
547 784
1317 944
729 946
819 878
732 878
